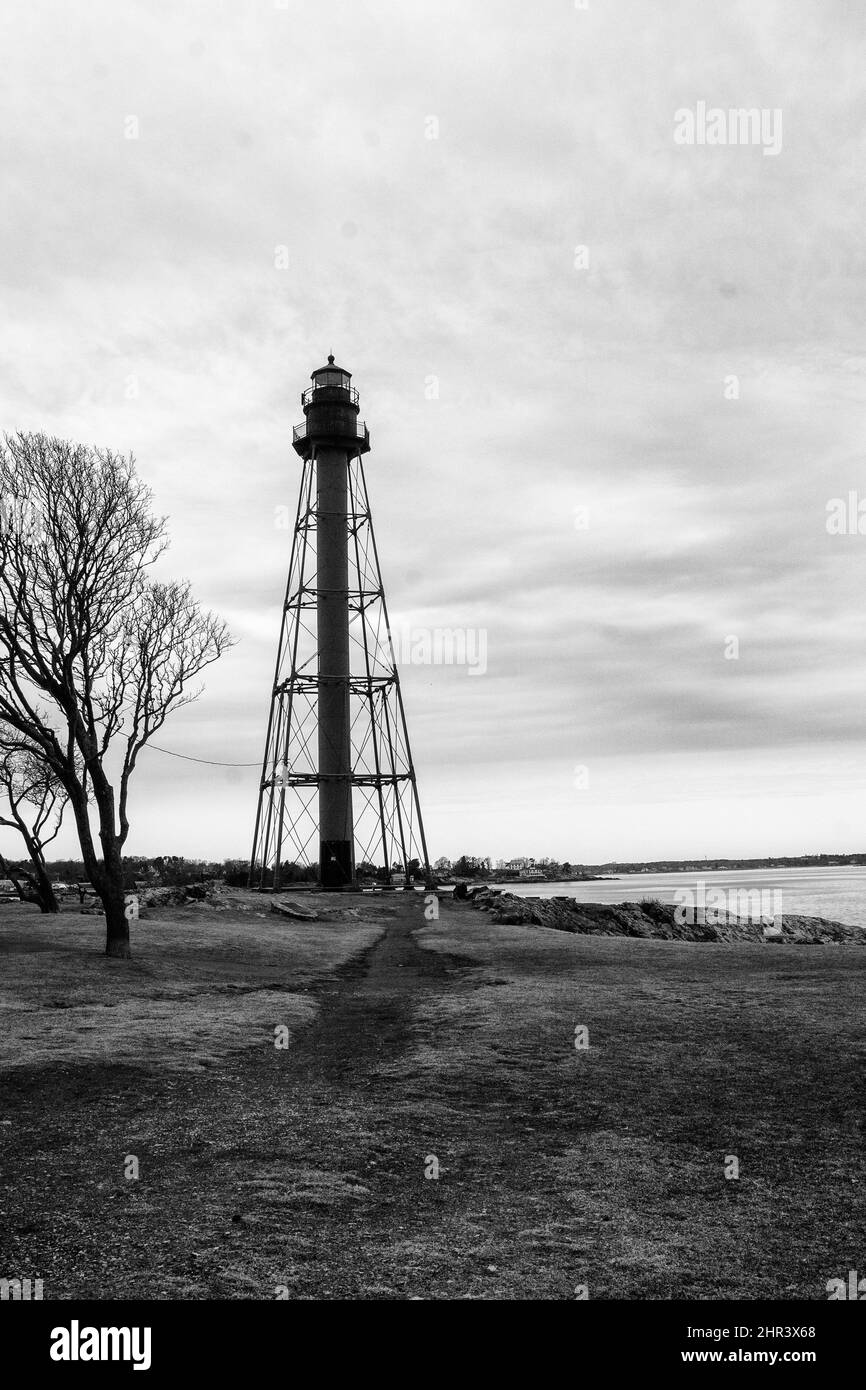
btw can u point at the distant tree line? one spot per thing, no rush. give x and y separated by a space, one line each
158 871
475 866
172 870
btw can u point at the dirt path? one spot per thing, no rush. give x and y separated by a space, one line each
365 1017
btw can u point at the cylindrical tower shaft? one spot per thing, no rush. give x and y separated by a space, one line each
336 831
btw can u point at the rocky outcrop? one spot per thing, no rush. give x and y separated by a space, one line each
208 893
658 921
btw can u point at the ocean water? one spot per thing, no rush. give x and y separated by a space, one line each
838 894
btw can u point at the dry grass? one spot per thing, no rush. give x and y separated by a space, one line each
696 1052
201 984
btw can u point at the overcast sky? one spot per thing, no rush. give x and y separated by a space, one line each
407 185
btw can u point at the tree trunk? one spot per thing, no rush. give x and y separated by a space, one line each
107 877
44 888
116 927
32 885
113 900
47 901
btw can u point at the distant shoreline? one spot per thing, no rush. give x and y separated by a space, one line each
608 873
692 866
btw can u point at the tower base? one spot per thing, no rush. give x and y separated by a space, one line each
336 863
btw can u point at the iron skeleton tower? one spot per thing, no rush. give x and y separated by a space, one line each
337 778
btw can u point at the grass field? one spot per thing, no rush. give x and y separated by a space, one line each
413 1046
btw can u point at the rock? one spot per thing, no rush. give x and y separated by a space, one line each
287 908
479 890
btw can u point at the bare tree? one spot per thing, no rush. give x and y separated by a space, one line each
35 802
94 653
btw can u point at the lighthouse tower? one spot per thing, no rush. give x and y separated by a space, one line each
338 784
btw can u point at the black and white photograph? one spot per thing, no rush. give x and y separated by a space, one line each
432 674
